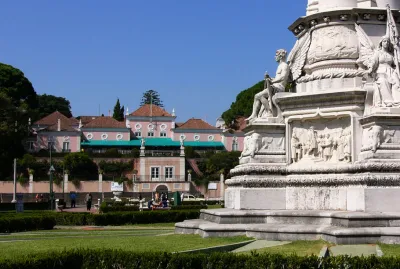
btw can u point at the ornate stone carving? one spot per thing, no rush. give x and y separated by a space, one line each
382 64
263 101
333 43
297 56
321 141
252 144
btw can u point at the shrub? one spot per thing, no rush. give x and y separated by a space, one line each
144 217
85 258
72 219
106 207
188 207
18 223
27 206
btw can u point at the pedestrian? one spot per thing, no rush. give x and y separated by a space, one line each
37 198
140 197
88 201
73 199
41 198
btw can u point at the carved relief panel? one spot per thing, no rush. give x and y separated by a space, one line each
333 43
321 141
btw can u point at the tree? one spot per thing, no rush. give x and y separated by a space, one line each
80 166
50 103
18 102
243 105
118 111
151 97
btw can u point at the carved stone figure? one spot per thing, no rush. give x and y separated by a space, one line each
252 145
142 142
382 64
375 137
310 146
272 86
320 141
295 148
347 146
327 147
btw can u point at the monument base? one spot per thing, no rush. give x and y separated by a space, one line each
339 227
354 198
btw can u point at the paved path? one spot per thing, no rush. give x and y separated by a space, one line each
259 244
354 250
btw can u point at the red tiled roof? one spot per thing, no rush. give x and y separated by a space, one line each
197 124
105 122
86 119
53 118
150 110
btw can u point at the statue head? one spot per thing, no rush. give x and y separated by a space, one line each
280 55
386 45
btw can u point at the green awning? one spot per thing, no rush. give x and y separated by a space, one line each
151 142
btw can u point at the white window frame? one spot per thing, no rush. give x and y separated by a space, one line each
151 174
66 143
150 132
172 172
163 134
138 132
31 145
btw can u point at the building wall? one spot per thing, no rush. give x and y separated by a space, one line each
161 162
203 137
158 127
58 138
228 142
111 135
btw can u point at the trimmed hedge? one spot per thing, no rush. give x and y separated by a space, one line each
188 207
83 258
27 206
209 202
106 207
18 223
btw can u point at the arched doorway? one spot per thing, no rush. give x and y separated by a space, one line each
162 188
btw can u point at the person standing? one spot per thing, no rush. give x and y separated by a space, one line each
73 199
88 201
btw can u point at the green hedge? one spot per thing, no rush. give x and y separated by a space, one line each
188 207
27 206
10 223
106 207
149 260
201 202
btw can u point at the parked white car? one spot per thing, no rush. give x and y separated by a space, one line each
191 197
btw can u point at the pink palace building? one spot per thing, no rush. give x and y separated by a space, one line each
150 130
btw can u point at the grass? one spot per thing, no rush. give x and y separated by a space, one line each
131 240
300 248
390 250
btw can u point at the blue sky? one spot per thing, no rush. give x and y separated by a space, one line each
197 54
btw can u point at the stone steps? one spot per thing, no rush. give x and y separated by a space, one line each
336 227
312 217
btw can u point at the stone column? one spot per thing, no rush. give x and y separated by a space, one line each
189 177
30 183
366 3
101 183
182 168
222 186
66 183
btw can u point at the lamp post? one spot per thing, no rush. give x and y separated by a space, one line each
14 200
51 170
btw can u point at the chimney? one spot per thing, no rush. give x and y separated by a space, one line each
58 125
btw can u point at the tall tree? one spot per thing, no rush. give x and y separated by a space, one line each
118 111
50 103
18 102
151 97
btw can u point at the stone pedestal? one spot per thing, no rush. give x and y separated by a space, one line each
264 142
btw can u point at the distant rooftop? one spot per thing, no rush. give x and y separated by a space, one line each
197 124
150 111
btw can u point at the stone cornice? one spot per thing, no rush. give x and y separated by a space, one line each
342 16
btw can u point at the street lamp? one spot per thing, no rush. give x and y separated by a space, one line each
51 170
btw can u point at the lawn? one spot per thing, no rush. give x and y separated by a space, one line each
390 250
145 239
300 248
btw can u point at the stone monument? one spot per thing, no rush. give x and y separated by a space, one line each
322 146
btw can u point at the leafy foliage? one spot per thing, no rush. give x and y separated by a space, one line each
243 105
50 103
80 166
151 97
18 102
118 113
